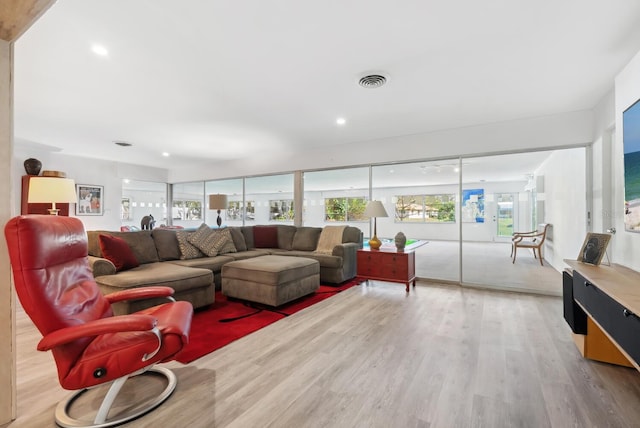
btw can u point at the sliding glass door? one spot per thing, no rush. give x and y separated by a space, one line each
511 193
421 201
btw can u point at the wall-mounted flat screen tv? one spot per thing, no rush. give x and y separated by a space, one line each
631 142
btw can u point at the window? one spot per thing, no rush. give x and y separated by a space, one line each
281 210
344 209
187 210
234 210
142 198
333 195
271 198
426 208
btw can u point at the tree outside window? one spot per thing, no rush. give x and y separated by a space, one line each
281 210
235 210
187 210
439 208
344 209
410 208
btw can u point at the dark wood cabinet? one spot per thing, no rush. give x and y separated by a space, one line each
387 265
27 208
610 297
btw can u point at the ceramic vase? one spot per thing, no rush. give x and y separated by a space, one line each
32 166
401 240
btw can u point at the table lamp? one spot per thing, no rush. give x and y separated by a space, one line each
218 202
375 209
52 190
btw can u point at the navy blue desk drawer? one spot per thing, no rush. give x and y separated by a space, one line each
621 324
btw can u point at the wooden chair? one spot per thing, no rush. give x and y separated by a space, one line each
534 240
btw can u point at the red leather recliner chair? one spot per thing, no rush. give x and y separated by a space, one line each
90 345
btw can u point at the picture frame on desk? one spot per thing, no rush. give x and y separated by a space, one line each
90 198
594 248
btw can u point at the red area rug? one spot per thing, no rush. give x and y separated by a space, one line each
227 320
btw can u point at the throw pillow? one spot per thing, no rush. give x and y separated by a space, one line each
118 252
223 241
187 250
212 241
265 236
203 239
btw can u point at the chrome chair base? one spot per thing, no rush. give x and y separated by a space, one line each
102 420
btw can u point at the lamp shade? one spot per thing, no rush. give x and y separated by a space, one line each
52 190
218 202
375 209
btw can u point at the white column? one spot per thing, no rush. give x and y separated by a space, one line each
7 299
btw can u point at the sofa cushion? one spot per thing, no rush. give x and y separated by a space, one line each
238 239
187 250
140 242
352 234
306 238
214 264
166 244
118 252
325 260
247 232
249 254
265 236
285 236
180 278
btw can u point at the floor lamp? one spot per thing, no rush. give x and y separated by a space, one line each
218 202
52 190
375 209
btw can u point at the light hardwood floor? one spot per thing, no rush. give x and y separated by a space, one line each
487 264
375 356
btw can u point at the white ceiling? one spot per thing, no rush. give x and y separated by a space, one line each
211 80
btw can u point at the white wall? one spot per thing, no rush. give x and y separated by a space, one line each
626 245
87 171
601 164
7 298
565 205
574 128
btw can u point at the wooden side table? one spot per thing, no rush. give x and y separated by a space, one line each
388 265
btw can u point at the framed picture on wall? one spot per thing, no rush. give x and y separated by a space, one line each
89 199
631 146
125 209
472 206
594 248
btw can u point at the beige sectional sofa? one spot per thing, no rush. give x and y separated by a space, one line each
164 260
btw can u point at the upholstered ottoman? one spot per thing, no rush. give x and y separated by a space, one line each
272 280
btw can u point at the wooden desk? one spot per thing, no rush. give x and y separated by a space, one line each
610 296
388 265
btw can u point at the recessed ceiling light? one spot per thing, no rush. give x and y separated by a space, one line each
99 50
165 154
341 121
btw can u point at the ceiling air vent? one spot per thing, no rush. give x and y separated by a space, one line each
122 143
372 81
